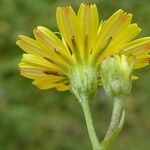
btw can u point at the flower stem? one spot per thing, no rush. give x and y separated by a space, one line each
116 115
90 127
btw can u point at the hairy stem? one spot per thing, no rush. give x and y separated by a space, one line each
116 115
90 127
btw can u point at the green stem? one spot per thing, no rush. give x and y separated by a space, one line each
116 115
90 127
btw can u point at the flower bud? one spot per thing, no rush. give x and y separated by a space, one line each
116 74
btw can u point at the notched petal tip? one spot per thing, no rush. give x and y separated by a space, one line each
65 9
137 26
40 27
85 4
20 39
123 14
119 11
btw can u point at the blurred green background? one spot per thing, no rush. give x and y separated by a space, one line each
32 119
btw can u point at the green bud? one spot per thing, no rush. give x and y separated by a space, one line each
83 82
116 74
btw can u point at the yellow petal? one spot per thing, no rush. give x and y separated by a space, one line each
31 72
31 46
62 87
140 63
52 41
47 83
111 29
48 40
127 35
137 47
70 29
89 20
37 61
35 72
121 39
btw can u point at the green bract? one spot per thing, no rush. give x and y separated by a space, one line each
83 82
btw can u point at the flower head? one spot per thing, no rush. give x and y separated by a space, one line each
116 74
84 43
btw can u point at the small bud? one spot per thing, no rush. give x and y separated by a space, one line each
83 83
116 74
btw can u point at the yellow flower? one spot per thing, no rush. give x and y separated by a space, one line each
85 41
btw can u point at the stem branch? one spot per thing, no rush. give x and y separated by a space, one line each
116 114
